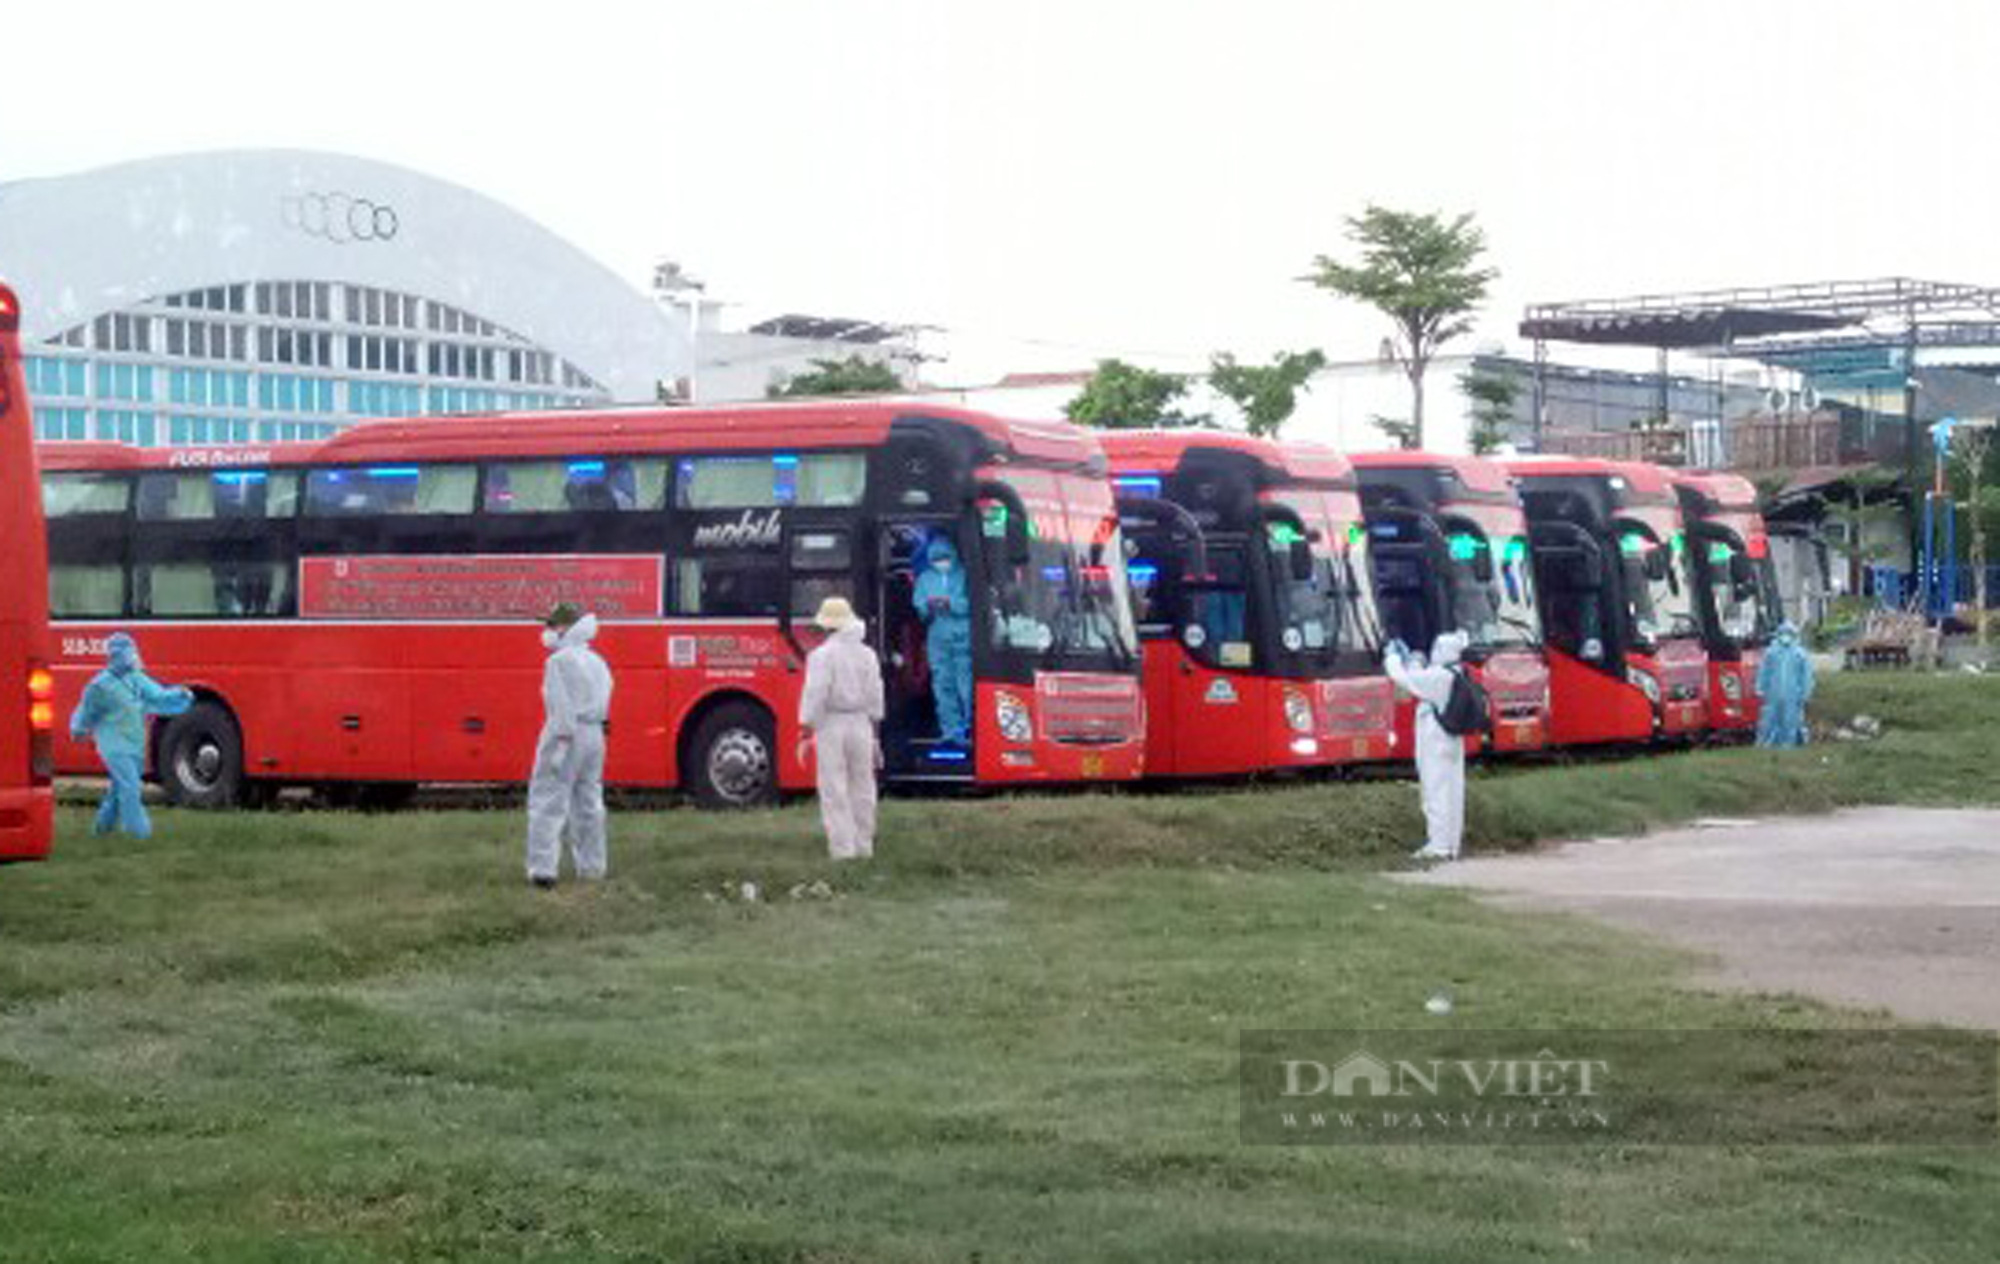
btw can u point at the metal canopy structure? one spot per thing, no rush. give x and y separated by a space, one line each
829 329
1857 331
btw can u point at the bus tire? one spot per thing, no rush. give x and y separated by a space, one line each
733 758
201 758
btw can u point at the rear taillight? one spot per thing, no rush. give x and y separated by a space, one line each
41 724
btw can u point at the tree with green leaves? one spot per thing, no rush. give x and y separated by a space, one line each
1419 270
1398 429
1267 394
1121 396
852 376
1493 393
1971 459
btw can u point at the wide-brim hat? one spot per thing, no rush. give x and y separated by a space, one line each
564 614
834 614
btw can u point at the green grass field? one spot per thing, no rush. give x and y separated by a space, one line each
301 1036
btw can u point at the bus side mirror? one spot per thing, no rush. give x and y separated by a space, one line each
1741 572
1301 557
1658 559
1482 566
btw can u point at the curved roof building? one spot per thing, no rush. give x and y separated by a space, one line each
265 295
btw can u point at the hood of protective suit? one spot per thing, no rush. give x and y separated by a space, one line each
1787 634
582 632
940 549
122 654
1449 648
853 634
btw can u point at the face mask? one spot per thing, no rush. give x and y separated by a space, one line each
942 566
551 638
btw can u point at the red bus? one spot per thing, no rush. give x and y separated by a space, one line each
1450 544
27 795
1736 590
360 613
1249 580
1617 598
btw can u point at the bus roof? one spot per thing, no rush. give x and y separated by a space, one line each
1644 477
1150 450
1478 473
600 431
1728 491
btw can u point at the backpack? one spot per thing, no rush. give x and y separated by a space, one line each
1466 711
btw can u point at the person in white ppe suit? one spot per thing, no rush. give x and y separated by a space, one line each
566 791
840 709
1440 755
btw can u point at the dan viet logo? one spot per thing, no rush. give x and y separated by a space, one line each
1365 1094
751 531
1362 1073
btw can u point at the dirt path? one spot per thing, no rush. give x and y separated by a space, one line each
1890 907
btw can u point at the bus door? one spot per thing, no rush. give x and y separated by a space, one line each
1174 604
1409 564
910 747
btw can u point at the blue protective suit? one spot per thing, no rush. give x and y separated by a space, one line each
1784 684
943 604
113 712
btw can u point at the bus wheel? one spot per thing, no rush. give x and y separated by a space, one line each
733 758
201 758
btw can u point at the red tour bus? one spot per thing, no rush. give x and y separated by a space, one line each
27 795
1736 590
1617 598
1248 575
361 613
1450 544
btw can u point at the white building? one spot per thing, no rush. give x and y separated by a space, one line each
278 294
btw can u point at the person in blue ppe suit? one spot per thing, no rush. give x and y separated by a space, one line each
1440 755
1784 684
113 711
943 604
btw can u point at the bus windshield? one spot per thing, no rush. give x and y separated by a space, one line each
1490 584
1659 592
1331 613
1745 608
1067 605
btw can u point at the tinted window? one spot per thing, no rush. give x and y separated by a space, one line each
85 591
205 497
391 490
212 589
561 486
66 494
726 585
814 479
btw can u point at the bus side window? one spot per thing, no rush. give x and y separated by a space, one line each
726 586
65 495
86 591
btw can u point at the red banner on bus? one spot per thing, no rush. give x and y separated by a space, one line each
479 586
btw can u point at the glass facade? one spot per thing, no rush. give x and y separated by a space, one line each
285 361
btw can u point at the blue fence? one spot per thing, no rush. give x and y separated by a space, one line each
1897 590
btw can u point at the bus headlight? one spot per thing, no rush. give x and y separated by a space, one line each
1016 723
1298 711
1648 684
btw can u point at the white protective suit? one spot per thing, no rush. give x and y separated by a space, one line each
1440 755
842 704
567 787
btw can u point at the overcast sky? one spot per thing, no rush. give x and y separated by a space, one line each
1140 179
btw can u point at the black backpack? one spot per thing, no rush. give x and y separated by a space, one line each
1466 711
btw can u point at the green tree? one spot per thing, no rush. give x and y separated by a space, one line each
852 376
1267 394
1420 271
1493 395
1970 467
1121 396
1396 428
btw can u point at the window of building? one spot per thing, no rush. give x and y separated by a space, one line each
391 489
583 484
815 479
